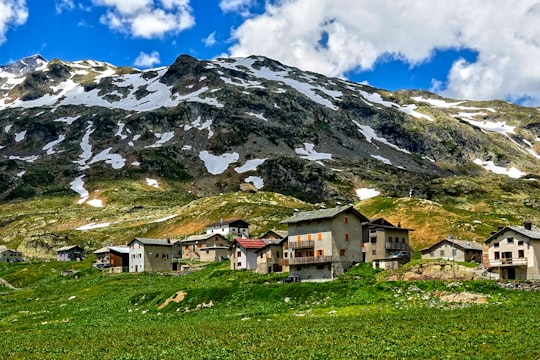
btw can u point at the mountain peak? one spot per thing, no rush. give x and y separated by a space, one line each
24 65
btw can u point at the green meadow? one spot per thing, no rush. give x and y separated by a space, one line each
70 310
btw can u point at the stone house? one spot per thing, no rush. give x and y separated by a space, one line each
204 247
229 228
384 240
243 253
453 249
323 243
70 253
514 252
270 257
8 255
150 255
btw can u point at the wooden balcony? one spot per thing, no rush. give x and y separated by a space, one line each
307 260
507 262
301 244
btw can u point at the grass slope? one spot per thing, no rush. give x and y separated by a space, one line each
89 314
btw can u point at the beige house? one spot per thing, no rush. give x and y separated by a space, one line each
116 258
270 257
229 228
453 249
322 244
150 255
204 247
514 252
274 234
243 253
385 241
8 255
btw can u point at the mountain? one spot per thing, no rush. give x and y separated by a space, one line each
206 128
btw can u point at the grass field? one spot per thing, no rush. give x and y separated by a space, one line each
87 314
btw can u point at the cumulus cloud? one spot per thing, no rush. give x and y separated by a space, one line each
339 36
12 13
147 18
145 60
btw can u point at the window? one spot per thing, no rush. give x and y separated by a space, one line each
309 237
319 236
521 254
320 252
454 252
432 254
261 256
520 242
347 237
497 255
285 254
239 254
495 244
341 252
390 239
403 240
441 253
510 240
277 254
373 239
373 252
346 219
157 255
208 251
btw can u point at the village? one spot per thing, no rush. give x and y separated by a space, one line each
319 245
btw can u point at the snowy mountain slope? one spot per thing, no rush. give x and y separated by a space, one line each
219 124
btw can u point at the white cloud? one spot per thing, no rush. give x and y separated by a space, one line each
145 60
210 40
63 5
240 6
12 13
147 18
338 36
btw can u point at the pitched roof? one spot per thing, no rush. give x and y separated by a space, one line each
70 247
462 244
228 222
146 241
122 249
384 224
249 243
533 234
200 237
280 233
103 250
323 214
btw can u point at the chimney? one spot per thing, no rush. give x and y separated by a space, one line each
528 225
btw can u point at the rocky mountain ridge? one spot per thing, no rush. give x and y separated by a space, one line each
251 120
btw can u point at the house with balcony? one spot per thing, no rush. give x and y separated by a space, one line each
323 243
243 253
384 241
514 252
204 247
454 249
116 258
229 228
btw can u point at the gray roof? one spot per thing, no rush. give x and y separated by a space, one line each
200 237
281 233
322 214
122 249
533 234
146 241
70 247
102 250
463 244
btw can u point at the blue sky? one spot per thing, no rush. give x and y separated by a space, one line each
464 49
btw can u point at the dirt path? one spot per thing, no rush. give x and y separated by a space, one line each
179 296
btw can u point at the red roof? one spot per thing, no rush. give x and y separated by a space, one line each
250 243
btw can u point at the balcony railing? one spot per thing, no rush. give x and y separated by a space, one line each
507 262
307 260
301 244
395 246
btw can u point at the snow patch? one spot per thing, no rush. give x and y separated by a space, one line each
49 146
77 185
20 136
163 219
382 159
115 160
250 165
309 153
257 181
92 226
490 166
152 183
366 193
162 139
217 164
95 203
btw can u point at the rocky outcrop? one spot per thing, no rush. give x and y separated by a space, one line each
436 271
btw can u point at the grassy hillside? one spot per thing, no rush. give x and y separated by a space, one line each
240 315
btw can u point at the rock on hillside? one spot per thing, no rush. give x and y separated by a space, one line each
439 270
